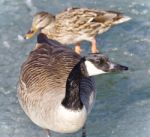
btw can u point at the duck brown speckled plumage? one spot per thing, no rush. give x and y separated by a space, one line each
75 25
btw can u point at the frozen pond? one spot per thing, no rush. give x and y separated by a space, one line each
122 108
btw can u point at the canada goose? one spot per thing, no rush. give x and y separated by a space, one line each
56 88
75 25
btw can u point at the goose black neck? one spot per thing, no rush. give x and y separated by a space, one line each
72 98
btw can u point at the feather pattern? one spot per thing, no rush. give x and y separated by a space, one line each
42 87
77 24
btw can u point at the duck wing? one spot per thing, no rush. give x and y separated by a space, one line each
86 20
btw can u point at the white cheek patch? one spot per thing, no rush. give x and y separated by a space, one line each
92 70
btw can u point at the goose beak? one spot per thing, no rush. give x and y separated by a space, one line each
30 33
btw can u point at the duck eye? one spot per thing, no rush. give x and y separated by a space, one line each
40 20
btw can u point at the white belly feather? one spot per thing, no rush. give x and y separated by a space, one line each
61 119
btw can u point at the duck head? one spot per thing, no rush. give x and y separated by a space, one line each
40 21
95 64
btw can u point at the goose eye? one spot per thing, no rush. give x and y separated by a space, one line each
97 62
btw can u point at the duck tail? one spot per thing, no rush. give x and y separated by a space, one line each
116 17
121 18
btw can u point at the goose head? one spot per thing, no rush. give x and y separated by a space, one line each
96 64
40 21
93 64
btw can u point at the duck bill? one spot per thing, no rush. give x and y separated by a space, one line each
117 68
30 33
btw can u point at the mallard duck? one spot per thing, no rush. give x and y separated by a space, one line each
75 25
56 88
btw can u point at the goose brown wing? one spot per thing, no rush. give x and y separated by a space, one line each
49 64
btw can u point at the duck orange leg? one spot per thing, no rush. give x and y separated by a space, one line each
77 48
94 48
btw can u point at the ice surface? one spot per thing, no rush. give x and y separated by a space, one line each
122 108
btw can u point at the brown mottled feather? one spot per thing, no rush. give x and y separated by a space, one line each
76 24
45 61
45 70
